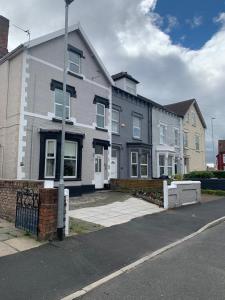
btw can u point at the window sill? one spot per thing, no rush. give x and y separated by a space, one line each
101 129
114 133
136 138
76 75
56 120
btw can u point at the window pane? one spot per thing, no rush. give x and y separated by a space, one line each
74 68
100 109
162 171
58 96
74 57
134 157
170 160
69 167
70 150
144 159
67 113
114 153
161 160
58 111
144 170
50 168
136 132
134 171
50 148
115 127
115 115
100 121
170 171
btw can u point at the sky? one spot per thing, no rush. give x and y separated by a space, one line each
175 48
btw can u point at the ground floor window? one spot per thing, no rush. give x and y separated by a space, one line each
162 162
144 165
134 164
50 158
170 165
70 159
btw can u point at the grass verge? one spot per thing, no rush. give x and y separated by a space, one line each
78 226
214 192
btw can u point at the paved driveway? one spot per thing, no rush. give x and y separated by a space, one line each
115 213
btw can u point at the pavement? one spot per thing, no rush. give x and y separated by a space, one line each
13 240
116 212
193 270
58 269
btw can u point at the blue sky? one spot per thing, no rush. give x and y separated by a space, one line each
190 23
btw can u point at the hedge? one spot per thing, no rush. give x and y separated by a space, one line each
205 175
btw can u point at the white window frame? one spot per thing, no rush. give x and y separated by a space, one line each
73 63
139 128
75 176
55 104
136 164
97 114
159 166
145 165
224 158
170 166
116 121
162 137
176 139
50 158
197 137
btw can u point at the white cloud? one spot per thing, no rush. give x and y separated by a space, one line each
220 18
172 23
195 22
126 35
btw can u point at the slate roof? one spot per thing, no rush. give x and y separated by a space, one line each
181 108
124 75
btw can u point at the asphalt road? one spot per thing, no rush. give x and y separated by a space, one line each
194 270
58 269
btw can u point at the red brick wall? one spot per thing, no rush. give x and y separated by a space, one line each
220 163
47 227
8 193
134 184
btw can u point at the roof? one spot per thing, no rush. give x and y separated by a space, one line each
146 100
181 108
53 35
121 75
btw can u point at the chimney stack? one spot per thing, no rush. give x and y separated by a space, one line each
4 32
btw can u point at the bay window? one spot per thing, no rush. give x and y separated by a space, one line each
144 165
162 162
134 164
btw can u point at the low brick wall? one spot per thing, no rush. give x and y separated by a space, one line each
47 227
8 193
136 184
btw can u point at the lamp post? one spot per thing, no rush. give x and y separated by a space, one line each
60 223
213 144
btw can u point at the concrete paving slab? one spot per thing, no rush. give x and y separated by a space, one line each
5 237
6 249
115 213
23 243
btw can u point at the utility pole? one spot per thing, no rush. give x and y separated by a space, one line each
213 144
60 223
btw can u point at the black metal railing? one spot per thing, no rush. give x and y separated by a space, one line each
27 210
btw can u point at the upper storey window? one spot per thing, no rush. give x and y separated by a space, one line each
74 62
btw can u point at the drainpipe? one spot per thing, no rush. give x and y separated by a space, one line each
150 133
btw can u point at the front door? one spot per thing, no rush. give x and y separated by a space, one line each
99 167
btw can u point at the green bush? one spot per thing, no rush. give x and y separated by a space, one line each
219 174
199 174
214 192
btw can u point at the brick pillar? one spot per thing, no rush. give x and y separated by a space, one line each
47 227
4 32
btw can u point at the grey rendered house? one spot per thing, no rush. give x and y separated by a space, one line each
147 140
31 110
131 130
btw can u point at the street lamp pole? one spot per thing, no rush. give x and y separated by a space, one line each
60 223
213 144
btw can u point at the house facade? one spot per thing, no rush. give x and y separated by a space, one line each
31 111
167 143
221 155
131 130
194 128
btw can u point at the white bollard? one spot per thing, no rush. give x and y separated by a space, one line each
165 194
67 219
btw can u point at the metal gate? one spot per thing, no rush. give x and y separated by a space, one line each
27 210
